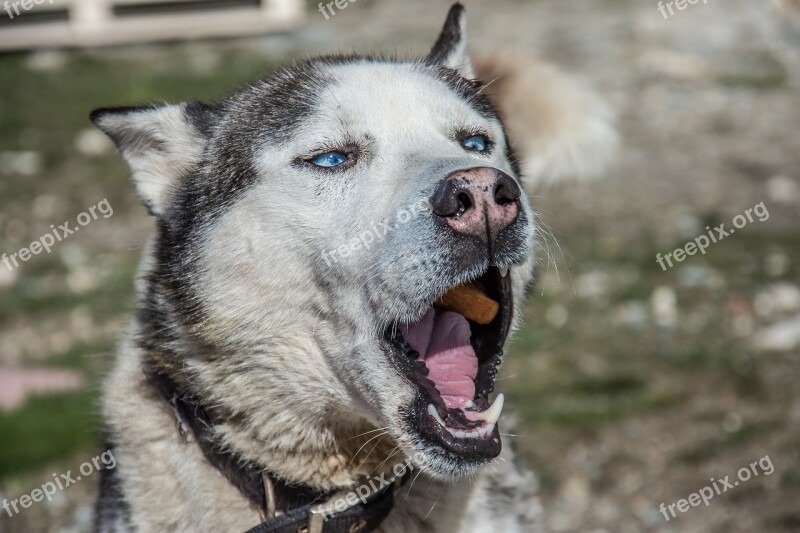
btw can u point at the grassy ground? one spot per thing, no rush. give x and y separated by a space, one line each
631 386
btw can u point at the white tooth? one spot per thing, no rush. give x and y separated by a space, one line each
503 272
492 414
435 414
489 429
469 405
460 434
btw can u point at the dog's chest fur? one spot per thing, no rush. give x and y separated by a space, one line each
164 483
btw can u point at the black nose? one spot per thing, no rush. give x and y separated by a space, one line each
451 199
478 201
506 190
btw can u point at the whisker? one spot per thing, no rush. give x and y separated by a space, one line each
507 377
362 447
392 454
434 503
368 432
412 484
491 82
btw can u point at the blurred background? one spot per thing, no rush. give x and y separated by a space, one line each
632 385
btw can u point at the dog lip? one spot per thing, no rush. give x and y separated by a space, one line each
481 449
488 419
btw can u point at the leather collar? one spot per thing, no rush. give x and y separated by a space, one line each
285 508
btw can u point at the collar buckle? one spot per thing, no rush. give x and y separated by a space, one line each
342 501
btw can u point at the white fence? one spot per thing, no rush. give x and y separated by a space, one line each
29 24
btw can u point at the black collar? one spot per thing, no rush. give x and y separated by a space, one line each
285 508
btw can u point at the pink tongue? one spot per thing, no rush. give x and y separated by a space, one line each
442 340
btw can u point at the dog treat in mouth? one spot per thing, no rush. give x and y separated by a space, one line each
471 301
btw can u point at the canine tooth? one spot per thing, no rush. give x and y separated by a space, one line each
469 405
489 430
460 434
492 414
435 414
503 272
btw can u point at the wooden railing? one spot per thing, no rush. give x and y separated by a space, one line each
84 23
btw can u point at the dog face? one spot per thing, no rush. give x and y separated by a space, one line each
307 225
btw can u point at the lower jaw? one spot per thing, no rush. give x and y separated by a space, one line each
481 448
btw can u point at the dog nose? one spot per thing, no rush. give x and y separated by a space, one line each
480 202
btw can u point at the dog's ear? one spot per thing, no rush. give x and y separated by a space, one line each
161 144
450 49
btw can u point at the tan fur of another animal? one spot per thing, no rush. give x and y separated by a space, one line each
562 129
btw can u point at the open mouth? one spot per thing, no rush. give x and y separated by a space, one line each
452 355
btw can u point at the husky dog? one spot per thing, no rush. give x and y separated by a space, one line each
287 369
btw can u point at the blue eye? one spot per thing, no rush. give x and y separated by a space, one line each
329 159
477 143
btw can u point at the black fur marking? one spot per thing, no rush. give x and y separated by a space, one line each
201 115
511 155
111 509
468 90
449 38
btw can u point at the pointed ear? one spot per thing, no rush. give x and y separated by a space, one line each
450 49
161 144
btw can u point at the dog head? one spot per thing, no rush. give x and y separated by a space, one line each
307 224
